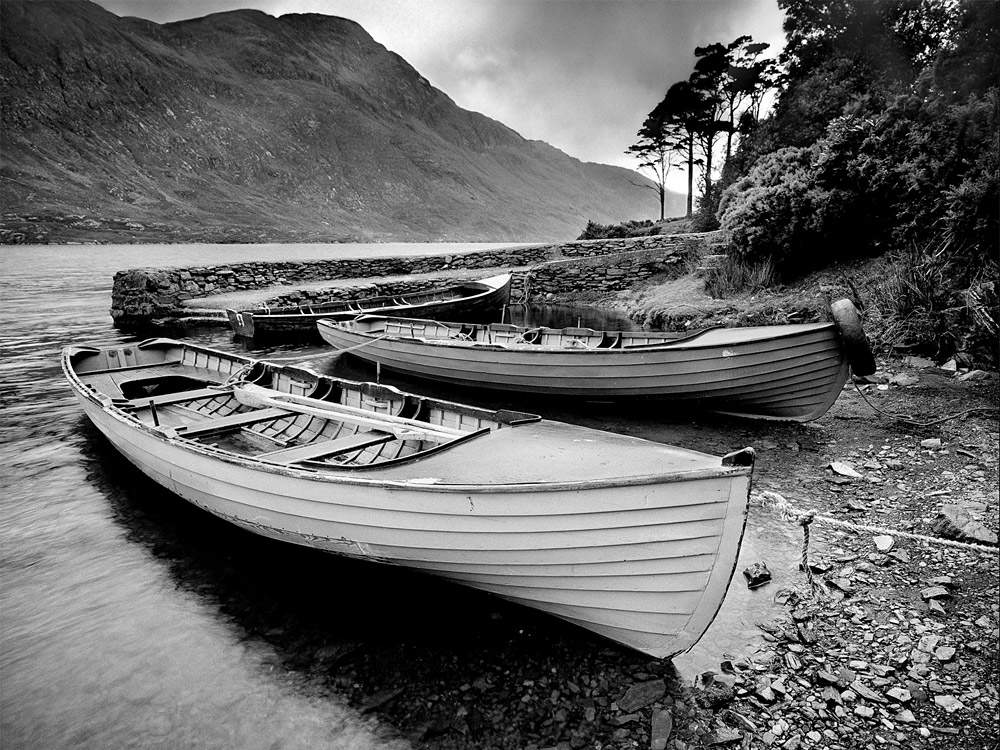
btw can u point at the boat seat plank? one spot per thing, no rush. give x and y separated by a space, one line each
128 368
231 422
176 398
326 448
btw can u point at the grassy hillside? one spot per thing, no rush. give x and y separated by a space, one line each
246 128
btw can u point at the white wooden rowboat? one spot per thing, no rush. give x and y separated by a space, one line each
787 372
631 539
467 300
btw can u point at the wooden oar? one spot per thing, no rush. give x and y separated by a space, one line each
412 429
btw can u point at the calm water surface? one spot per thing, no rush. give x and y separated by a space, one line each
131 620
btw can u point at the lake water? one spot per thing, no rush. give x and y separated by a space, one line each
130 619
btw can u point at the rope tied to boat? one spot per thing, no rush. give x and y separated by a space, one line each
788 511
522 337
238 376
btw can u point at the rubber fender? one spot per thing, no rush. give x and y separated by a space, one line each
859 351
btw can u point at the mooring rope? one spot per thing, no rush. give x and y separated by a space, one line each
804 521
237 376
789 512
913 422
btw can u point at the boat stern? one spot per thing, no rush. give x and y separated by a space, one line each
241 322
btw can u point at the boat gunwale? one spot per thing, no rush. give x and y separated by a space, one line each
683 343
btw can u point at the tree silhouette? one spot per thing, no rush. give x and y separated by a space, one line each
655 150
722 95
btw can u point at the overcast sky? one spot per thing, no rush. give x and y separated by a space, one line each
579 74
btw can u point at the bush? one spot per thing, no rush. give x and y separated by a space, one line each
926 309
595 231
768 216
734 276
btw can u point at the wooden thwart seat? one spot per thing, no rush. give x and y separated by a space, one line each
148 366
326 448
177 398
231 422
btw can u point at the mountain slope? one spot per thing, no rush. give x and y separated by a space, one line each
243 127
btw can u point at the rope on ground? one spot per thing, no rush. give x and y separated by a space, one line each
804 521
788 511
913 422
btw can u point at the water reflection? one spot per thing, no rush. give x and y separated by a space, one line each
105 647
565 316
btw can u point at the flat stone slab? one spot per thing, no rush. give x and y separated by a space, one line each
959 522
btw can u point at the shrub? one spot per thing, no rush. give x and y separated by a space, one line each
923 309
734 276
595 231
768 216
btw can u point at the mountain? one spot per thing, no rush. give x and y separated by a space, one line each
241 127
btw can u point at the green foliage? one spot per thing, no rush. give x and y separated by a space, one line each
885 135
902 163
595 231
923 309
768 216
734 276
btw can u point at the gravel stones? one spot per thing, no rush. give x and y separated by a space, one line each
959 521
642 695
757 575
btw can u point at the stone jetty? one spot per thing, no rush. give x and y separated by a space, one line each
142 296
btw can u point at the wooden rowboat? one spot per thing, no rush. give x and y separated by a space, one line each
631 539
469 300
788 372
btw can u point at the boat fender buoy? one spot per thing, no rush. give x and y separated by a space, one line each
856 346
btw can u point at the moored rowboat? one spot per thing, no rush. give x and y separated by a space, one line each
468 300
788 372
631 539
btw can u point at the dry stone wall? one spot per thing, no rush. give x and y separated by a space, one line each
142 295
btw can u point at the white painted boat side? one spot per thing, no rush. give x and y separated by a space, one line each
631 539
794 374
273 505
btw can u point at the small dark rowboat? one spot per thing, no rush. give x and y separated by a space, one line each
468 300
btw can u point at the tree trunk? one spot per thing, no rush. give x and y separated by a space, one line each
690 200
708 166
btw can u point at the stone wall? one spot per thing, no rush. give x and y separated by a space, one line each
611 272
143 294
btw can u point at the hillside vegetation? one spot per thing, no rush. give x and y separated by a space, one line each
883 143
241 127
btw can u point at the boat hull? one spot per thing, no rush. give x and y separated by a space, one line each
782 372
472 301
594 533
651 584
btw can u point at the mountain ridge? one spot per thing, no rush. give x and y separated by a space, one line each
241 127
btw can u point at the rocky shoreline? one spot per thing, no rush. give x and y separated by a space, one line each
895 646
